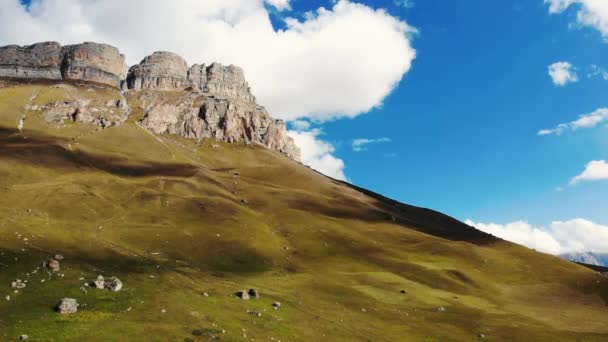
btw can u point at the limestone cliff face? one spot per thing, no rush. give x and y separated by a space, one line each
91 62
214 101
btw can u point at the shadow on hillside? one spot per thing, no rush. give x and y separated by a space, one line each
49 151
426 220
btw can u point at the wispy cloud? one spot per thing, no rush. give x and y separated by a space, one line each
404 3
359 144
596 71
560 237
592 13
594 170
584 121
562 73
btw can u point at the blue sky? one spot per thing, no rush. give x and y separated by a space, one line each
458 133
463 122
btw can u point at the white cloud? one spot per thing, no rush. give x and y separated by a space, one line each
337 62
593 13
300 125
281 5
594 170
359 144
573 236
584 121
317 153
562 73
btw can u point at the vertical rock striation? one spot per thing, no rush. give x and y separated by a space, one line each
92 62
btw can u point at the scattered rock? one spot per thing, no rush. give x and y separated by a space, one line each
58 257
67 306
253 293
8 298
481 335
403 291
99 283
52 265
205 294
113 284
18 284
23 337
255 313
276 305
242 294
440 309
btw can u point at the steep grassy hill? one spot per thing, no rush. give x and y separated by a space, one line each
175 218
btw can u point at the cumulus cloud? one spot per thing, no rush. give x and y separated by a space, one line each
317 153
560 237
594 170
300 125
584 121
281 5
593 13
359 144
336 62
562 73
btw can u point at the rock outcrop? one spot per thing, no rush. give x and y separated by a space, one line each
92 62
215 101
161 70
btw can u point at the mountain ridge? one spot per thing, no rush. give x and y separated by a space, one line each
218 101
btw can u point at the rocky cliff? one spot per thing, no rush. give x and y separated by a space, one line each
215 101
90 62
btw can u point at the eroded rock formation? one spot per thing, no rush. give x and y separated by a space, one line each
91 62
201 101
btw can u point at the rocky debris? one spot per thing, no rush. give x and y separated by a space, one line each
58 257
255 313
67 306
205 294
481 335
8 298
440 309
18 284
112 284
61 112
253 293
197 116
403 292
23 337
52 265
276 305
243 294
92 62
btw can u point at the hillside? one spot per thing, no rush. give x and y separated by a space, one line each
175 218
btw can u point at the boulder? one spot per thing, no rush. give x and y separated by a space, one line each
253 293
67 306
242 294
99 283
113 284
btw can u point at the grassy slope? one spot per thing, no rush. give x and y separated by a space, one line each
165 215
